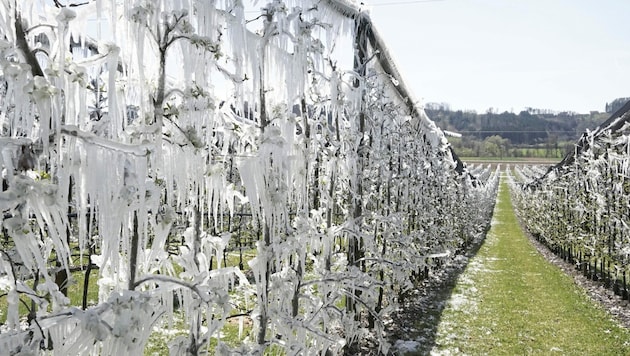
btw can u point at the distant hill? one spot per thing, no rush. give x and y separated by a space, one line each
525 128
530 133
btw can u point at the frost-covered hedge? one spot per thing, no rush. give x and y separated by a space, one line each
580 209
143 140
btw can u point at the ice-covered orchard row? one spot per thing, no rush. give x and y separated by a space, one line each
145 138
580 208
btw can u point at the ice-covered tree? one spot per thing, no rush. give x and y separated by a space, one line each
579 208
144 140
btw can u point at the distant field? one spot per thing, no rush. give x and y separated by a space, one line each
511 160
538 152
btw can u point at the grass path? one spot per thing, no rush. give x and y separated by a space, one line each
511 301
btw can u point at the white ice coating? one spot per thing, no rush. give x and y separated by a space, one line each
157 172
582 202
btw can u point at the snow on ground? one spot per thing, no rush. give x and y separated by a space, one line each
438 333
420 336
463 301
404 346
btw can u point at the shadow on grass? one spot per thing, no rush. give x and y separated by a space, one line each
414 325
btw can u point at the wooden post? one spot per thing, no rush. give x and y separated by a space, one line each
133 254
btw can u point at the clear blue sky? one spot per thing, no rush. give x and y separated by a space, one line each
510 54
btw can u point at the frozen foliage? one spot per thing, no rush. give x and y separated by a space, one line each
179 131
579 209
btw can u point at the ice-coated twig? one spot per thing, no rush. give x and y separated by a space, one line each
167 279
140 150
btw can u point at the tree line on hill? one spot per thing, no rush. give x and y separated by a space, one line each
531 133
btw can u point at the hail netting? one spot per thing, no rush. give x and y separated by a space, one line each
217 168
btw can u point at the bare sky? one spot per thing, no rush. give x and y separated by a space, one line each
510 54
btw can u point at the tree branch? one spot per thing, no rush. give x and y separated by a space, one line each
60 5
25 49
166 279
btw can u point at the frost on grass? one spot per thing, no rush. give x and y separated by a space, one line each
406 346
427 304
462 305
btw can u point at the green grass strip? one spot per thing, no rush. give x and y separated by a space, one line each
511 301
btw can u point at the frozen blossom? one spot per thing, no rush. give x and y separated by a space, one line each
181 136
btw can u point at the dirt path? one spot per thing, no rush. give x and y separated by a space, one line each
509 300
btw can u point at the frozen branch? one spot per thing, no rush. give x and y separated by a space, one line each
167 279
140 150
25 49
